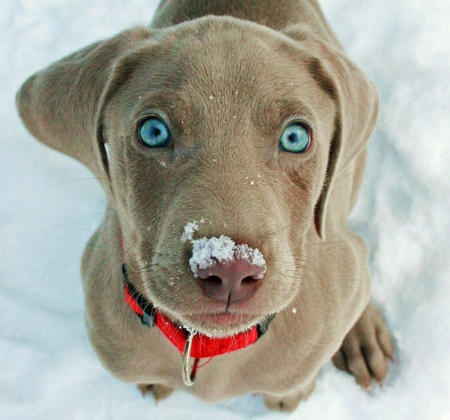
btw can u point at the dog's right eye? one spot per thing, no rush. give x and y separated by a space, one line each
296 138
154 132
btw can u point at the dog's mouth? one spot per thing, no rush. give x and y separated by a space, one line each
209 324
221 324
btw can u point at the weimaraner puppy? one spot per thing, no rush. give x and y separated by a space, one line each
230 139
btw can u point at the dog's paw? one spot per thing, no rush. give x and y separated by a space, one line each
365 349
159 391
288 402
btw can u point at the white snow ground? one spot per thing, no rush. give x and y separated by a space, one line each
50 205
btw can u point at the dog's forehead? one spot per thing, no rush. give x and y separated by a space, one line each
219 55
220 68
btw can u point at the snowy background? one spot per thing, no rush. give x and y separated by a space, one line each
50 205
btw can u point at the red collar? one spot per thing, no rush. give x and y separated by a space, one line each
197 346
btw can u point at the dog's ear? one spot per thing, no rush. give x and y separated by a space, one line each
356 101
60 104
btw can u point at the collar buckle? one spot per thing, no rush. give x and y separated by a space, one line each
148 319
188 372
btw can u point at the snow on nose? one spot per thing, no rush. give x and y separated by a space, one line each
226 271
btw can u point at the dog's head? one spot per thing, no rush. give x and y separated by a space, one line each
217 142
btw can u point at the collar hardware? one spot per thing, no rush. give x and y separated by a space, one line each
189 371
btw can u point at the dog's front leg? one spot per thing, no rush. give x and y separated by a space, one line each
365 349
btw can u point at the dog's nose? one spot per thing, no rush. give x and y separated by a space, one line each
230 282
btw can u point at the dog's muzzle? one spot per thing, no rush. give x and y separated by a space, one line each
188 342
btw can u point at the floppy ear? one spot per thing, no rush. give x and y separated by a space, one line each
60 104
356 100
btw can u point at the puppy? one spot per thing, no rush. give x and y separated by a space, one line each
229 138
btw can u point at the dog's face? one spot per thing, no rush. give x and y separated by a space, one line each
222 125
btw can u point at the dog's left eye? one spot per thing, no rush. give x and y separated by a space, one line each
154 132
296 138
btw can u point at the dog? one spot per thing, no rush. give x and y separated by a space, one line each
230 140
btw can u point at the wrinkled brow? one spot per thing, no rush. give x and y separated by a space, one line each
273 114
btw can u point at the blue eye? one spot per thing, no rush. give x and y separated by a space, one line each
154 132
295 138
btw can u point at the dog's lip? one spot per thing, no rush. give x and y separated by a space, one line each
223 320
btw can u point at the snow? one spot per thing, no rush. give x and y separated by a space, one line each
252 255
188 231
50 205
206 252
